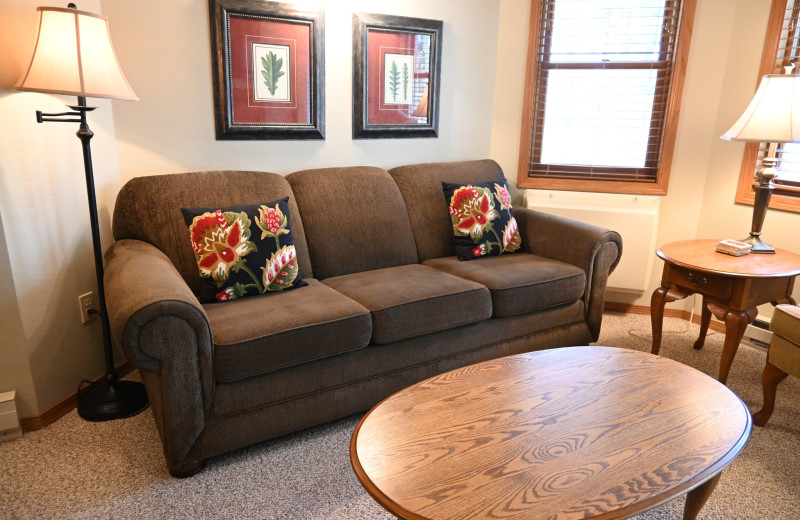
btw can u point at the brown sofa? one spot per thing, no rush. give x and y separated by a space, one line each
386 305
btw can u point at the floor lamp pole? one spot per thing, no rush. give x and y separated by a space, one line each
110 398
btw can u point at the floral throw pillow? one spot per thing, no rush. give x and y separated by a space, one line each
483 219
243 250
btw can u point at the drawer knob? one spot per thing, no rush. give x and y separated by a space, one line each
695 282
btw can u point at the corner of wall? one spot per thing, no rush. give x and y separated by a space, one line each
509 87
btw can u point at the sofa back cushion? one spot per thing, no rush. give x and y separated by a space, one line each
149 209
421 186
355 220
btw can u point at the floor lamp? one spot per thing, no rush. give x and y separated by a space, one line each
74 56
773 117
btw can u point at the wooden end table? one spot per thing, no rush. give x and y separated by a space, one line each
563 434
732 288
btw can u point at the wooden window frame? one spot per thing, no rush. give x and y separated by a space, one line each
667 135
785 197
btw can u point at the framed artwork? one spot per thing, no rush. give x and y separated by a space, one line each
268 68
396 68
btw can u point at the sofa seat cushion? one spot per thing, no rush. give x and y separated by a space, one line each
265 333
413 300
519 283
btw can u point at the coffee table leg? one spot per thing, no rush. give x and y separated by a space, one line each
705 321
657 302
697 498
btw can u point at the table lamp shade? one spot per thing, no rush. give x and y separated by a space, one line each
773 115
74 56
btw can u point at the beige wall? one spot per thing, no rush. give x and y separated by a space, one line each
172 127
512 45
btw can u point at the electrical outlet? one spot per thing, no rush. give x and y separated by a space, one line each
86 303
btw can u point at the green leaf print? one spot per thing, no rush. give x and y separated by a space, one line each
394 80
272 71
405 81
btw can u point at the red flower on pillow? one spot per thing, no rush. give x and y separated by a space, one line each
220 240
272 222
225 295
479 250
501 192
472 209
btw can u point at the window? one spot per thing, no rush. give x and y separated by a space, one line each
781 48
602 90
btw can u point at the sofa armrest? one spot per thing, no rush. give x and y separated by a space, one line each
164 332
594 249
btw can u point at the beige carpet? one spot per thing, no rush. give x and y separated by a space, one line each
76 469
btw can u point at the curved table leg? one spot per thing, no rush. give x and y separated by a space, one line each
705 321
660 297
735 324
770 378
697 498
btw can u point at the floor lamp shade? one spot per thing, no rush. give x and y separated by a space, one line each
74 56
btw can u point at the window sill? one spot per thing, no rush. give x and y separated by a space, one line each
633 188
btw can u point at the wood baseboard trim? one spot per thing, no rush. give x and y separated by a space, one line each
668 313
54 413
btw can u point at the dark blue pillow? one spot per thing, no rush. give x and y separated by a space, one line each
243 250
483 219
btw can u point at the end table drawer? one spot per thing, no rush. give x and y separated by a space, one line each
701 282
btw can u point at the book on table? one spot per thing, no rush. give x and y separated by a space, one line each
733 247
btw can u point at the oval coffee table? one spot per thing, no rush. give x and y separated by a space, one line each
570 433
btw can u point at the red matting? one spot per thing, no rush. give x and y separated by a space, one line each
244 32
381 42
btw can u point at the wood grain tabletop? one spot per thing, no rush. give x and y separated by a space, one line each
701 254
570 433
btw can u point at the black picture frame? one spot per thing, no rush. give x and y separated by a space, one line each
377 41
246 108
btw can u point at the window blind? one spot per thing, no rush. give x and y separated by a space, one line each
603 76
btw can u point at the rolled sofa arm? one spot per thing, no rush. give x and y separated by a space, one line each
594 249
164 332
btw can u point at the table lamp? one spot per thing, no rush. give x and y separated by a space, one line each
74 56
773 117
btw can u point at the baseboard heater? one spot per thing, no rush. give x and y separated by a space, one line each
634 217
9 422
758 332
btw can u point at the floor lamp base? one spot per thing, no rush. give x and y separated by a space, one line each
759 247
106 400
